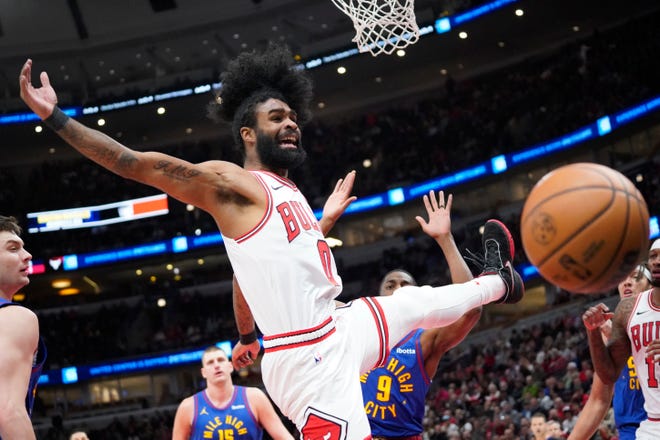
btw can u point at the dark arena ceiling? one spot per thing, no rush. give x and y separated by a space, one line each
97 51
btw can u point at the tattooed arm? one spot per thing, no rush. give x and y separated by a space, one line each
609 359
245 351
187 182
199 185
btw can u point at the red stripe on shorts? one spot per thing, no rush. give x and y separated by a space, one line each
381 326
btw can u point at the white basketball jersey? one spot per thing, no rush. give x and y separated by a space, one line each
643 327
284 266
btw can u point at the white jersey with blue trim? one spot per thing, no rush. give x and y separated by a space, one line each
284 266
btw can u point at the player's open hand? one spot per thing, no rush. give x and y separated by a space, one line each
596 316
340 198
439 213
41 100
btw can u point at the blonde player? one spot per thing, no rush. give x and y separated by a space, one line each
22 352
223 410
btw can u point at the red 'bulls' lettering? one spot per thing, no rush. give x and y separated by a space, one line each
290 222
301 215
642 334
294 216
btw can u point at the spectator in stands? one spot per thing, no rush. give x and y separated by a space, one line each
79 435
569 419
249 408
553 430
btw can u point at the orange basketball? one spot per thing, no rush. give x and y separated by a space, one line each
585 226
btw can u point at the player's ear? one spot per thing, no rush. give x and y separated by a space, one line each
248 134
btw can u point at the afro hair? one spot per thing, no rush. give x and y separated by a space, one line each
254 77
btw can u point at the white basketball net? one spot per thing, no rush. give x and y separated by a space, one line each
381 26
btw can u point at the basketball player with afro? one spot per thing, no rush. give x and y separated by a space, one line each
313 354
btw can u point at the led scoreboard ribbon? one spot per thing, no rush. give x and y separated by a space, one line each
90 216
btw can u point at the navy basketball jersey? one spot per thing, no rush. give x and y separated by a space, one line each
37 365
394 394
234 421
628 401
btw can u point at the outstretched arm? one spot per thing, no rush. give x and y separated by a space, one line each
247 349
438 227
197 185
593 413
337 202
436 342
599 401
